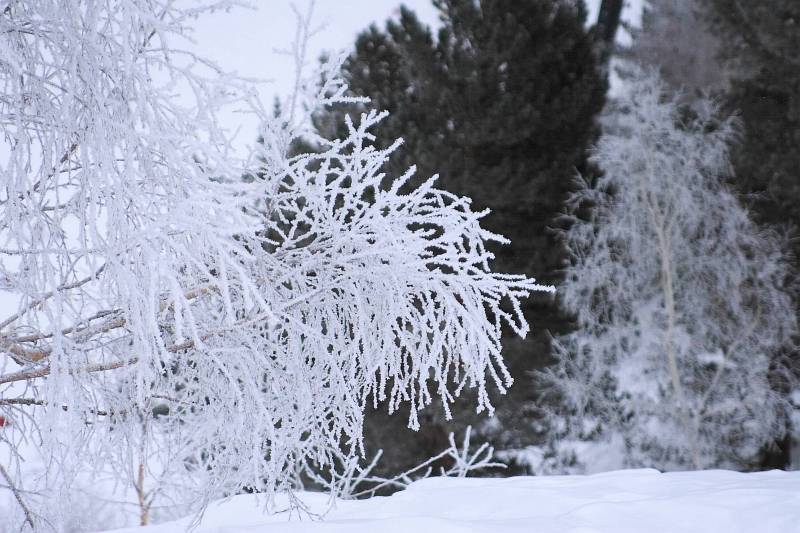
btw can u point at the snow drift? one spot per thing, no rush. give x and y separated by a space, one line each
627 501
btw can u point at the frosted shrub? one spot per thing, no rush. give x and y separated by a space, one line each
679 297
185 331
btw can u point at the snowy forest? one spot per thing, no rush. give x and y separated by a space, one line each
531 267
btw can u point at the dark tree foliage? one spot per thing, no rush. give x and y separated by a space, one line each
501 103
761 45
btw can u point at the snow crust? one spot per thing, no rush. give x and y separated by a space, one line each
625 501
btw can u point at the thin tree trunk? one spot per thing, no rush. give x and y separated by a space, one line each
608 19
144 506
672 358
661 229
144 510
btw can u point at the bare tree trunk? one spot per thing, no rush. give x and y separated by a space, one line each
691 420
672 359
608 19
144 508
144 505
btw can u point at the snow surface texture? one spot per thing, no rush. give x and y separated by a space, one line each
625 501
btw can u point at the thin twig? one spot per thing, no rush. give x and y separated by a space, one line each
20 401
49 295
33 402
26 375
18 496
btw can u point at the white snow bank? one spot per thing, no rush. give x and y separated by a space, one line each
627 501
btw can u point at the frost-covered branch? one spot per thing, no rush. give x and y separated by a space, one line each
17 496
349 482
245 323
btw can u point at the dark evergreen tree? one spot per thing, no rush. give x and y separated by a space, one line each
501 103
762 45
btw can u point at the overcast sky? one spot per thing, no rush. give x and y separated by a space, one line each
245 40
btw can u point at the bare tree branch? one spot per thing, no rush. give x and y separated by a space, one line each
18 497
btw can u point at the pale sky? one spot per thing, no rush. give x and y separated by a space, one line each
245 40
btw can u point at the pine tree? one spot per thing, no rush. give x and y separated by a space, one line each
501 103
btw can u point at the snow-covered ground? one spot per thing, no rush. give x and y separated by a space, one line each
627 501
